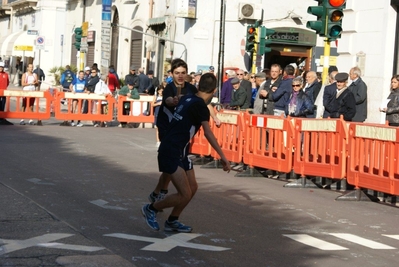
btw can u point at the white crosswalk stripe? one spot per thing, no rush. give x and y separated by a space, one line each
362 241
324 245
315 242
393 236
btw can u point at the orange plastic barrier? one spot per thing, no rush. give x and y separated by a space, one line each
374 157
94 101
199 144
230 135
320 147
41 111
141 110
269 142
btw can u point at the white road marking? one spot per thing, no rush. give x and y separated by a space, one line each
70 247
362 241
315 242
167 244
38 181
42 241
393 236
13 245
103 204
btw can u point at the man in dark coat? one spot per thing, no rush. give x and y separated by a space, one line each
245 84
346 103
312 89
330 96
359 90
132 78
239 97
282 94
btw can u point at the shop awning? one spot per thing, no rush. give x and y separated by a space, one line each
157 21
18 43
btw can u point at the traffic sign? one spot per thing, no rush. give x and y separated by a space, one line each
40 40
32 32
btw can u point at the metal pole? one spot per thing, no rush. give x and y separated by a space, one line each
221 46
155 36
326 63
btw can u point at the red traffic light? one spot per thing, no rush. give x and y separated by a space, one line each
251 30
336 3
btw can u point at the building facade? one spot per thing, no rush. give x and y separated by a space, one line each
150 33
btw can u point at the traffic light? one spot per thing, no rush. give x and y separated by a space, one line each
251 38
78 37
320 12
264 40
334 14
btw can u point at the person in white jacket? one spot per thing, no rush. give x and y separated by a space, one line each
102 89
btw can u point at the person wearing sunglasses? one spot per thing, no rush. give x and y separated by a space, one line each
299 104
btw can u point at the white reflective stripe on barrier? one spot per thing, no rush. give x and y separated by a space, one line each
24 93
319 125
370 132
84 96
228 118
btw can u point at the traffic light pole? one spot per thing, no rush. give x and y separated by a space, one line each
326 63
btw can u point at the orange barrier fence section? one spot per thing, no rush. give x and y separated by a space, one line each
230 135
140 110
320 148
199 144
93 102
269 143
30 99
373 161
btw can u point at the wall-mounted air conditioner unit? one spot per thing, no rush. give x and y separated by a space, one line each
249 11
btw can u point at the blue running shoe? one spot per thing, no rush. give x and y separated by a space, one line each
177 226
150 217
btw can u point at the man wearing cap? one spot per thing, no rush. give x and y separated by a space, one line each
154 83
132 78
345 100
212 70
197 77
261 96
239 97
4 82
87 73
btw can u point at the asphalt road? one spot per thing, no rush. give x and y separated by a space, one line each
84 187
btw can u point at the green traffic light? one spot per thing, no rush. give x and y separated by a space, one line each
78 37
320 24
265 40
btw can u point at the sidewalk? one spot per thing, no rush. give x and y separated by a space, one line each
31 236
